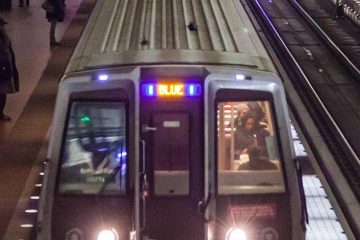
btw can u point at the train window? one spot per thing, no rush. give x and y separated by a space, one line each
94 158
248 158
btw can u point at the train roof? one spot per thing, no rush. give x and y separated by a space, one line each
141 32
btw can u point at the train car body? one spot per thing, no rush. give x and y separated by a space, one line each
149 138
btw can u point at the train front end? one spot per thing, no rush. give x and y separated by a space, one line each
144 153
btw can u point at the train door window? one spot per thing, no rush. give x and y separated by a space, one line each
171 153
248 157
94 151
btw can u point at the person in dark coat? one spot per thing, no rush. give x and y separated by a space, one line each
339 9
259 114
21 3
257 161
9 76
56 15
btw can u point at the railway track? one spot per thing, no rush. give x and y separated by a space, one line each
327 87
341 35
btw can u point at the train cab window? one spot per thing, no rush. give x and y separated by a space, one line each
94 151
248 158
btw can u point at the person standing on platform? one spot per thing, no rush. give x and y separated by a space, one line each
55 15
21 3
9 76
339 9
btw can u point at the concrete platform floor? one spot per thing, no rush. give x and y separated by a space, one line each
28 29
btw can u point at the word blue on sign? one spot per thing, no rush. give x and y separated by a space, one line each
171 89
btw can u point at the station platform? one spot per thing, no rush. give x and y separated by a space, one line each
323 223
40 69
23 139
29 29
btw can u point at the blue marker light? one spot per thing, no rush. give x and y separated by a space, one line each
193 90
150 90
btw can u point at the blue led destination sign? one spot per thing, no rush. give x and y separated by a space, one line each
171 89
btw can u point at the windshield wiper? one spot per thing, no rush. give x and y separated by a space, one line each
107 180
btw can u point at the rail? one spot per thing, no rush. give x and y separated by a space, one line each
322 34
343 193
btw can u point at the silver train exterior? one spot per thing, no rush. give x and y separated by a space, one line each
147 139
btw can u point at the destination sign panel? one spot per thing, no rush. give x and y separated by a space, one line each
169 89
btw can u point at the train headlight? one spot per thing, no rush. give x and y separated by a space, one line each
108 234
235 234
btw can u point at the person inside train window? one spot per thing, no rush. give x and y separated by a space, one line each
242 109
249 135
256 109
257 161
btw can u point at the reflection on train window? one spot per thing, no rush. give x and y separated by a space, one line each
248 158
94 158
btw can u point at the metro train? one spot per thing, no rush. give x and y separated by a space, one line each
171 122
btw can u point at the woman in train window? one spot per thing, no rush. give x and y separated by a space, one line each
249 134
242 109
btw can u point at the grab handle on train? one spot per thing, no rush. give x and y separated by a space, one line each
146 128
144 185
203 204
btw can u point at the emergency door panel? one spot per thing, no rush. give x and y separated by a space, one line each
171 152
171 142
173 137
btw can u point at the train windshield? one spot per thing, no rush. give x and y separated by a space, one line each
94 157
248 156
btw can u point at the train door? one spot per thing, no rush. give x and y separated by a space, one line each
172 137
